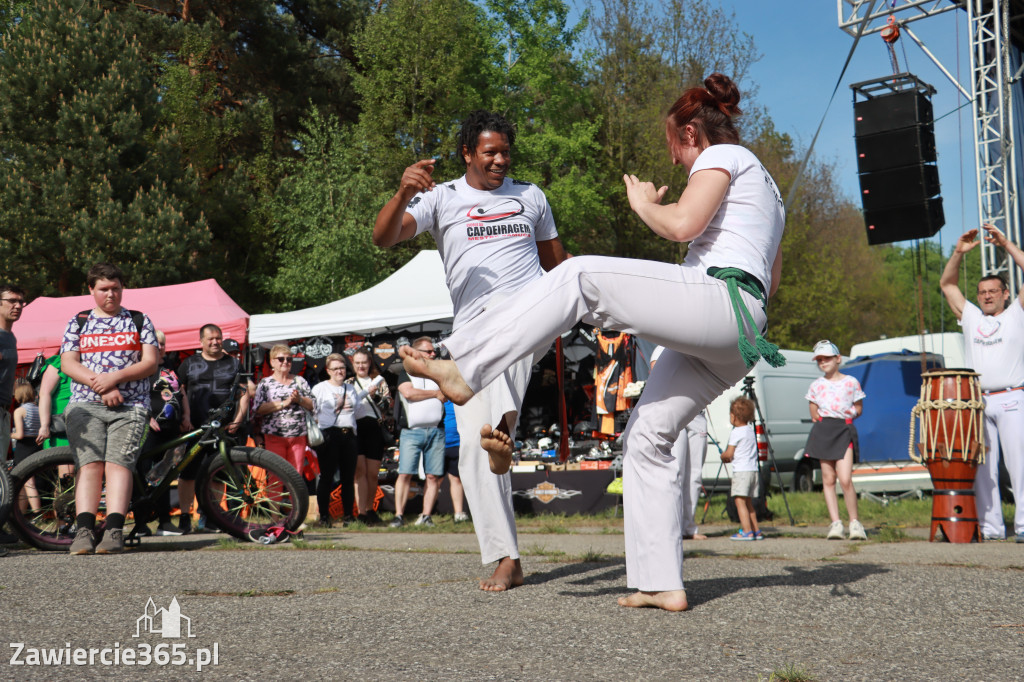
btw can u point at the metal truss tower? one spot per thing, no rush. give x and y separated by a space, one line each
992 28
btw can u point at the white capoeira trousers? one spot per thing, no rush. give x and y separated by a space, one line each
490 496
681 308
1004 428
689 450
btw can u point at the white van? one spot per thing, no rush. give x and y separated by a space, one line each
950 345
780 394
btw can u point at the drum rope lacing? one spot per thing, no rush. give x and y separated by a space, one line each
930 430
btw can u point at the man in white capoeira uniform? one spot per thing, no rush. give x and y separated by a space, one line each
994 347
495 234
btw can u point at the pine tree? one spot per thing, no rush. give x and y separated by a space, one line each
88 172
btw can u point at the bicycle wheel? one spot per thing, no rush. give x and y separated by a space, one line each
261 490
47 479
6 493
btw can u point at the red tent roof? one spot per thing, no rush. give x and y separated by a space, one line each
179 310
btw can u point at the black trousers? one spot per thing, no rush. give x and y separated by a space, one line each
337 457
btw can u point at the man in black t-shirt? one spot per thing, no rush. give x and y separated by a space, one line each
208 378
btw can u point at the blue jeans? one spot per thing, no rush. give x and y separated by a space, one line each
426 442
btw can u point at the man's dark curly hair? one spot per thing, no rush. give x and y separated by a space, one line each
481 121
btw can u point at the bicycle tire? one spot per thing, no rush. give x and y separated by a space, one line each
49 527
6 494
273 493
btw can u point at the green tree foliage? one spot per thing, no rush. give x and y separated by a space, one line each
542 87
88 174
324 209
645 55
237 77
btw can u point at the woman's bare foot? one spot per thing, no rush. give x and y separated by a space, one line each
498 445
444 373
671 600
507 574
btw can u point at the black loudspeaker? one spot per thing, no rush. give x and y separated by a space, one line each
898 186
894 148
900 223
891 112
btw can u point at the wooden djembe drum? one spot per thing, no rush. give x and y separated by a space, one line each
952 446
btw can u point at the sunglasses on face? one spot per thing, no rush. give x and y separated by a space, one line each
284 358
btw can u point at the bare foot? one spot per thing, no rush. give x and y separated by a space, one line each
507 574
444 373
695 536
499 449
672 600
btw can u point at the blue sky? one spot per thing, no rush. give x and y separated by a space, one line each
803 54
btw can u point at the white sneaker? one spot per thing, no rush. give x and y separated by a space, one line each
835 531
424 520
857 531
461 517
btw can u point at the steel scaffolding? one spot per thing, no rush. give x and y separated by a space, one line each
992 81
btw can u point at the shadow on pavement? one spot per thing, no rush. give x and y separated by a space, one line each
840 577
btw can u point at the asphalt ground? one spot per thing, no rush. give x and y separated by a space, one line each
404 605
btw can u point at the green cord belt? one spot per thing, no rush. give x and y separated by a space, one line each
736 279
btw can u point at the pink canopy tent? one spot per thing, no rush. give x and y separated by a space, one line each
179 310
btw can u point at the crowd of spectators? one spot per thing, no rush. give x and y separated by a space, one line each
107 400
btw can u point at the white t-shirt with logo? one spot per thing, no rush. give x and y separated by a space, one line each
744 457
487 239
994 345
746 231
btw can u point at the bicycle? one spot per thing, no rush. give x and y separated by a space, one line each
243 490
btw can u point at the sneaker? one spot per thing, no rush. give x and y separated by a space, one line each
742 535
396 522
374 517
143 531
857 531
325 522
758 535
835 531
112 542
84 542
461 517
168 528
425 520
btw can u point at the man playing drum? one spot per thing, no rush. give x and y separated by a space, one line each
994 347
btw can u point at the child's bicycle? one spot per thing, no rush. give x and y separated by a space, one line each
242 490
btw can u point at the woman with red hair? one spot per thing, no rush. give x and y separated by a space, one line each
709 313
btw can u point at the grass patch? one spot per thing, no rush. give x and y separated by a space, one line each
327 590
789 673
536 550
592 557
299 543
232 543
887 533
809 509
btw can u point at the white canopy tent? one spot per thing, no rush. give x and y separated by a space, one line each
415 294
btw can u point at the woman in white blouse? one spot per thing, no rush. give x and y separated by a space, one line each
335 412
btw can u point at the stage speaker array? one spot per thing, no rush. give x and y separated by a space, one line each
899 182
